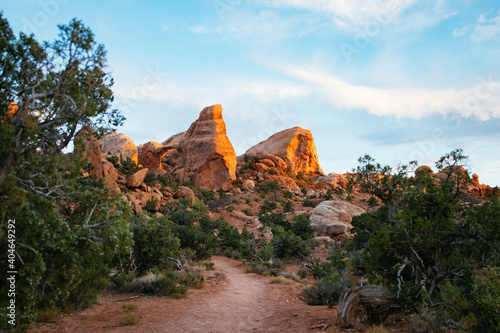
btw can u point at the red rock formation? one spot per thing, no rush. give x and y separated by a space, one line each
118 144
206 155
295 146
151 155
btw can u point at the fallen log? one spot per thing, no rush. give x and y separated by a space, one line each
366 305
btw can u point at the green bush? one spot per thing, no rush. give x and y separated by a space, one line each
486 295
151 205
267 206
302 227
328 290
287 206
309 203
191 277
150 179
154 244
288 194
288 245
268 187
128 167
114 160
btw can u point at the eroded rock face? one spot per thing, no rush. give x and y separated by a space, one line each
295 146
118 144
205 154
151 155
332 218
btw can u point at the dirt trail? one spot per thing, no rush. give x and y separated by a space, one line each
241 302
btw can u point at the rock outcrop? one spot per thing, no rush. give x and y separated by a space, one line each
118 144
333 218
295 146
205 154
151 155
137 178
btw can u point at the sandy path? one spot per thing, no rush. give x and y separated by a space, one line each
240 303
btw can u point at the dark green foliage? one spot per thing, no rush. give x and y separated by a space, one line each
288 194
268 187
150 178
336 263
427 240
275 219
151 205
287 206
128 167
249 165
114 160
328 290
288 245
302 227
67 228
328 195
372 202
486 295
267 206
154 245
309 203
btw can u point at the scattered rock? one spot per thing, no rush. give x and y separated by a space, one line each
137 178
296 191
109 173
248 185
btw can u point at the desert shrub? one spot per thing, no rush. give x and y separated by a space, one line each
191 277
302 273
267 206
290 276
268 187
151 205
309 203
249 165
128 167
302 227
154 244
266 251
275 219
486 295
328 195
273 171
280 279
336 263
328 290
128 319
288 245
372 202
288 194
129 307
287 206
114 160
150 178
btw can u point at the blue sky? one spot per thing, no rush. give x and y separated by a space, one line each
398 79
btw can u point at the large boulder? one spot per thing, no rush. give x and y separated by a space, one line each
332 218
205 154
295 146
185 192
118 144
137 178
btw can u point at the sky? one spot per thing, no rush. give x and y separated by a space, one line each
399 80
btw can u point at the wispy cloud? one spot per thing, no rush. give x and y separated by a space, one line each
481 101
486 29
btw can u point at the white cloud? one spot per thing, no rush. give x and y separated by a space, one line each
486 29
459 32
352 15
481 101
